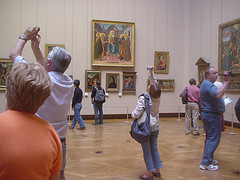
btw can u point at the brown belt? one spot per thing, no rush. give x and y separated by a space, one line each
63 140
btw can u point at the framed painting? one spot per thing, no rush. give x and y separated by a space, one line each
229 47
165 84
112 82
161 62
48 48
129 82
91 78
234 86
5 67
112 43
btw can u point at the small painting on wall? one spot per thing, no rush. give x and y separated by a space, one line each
5 68
91 78
161 62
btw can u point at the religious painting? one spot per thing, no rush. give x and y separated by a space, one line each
202 67
112 82
91 78
112 43
165 84
161 62
5 68
234 86
129 82
229 47
48 48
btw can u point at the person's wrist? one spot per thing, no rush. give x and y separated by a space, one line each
23 37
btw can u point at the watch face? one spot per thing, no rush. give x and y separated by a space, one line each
23 37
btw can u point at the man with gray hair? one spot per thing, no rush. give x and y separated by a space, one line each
55 109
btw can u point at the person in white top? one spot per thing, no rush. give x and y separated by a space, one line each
55 109
150 150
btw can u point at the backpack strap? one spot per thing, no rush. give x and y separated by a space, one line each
147 106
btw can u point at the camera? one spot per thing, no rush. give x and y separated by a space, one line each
229 74
38 30
149 67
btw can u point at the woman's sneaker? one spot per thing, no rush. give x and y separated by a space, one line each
211 167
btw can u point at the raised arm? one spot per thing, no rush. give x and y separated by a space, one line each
28 34
151 76
223 88
36 50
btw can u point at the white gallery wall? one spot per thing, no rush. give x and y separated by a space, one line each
187 29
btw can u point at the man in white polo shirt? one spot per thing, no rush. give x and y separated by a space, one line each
55 108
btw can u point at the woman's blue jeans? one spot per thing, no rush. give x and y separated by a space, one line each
213 126
77 116
150 152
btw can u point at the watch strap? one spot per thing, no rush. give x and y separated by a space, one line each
23 37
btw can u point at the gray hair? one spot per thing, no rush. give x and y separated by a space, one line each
60 59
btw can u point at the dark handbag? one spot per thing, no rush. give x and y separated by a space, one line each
142 132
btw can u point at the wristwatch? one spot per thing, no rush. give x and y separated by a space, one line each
23 37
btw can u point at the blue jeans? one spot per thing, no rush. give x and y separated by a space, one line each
77 116
150 152
64 149
98 116
213 126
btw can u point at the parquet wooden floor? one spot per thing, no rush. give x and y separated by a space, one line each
108 152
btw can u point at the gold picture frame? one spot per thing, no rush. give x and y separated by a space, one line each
165 84
91 78
48 48
234 86
113 43
5 68
161 62
112 82
229 47
129 82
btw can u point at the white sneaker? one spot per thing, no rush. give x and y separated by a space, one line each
214 162
211 167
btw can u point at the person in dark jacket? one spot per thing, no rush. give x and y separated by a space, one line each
77 106
237 109
98 111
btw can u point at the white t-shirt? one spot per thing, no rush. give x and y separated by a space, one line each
55 108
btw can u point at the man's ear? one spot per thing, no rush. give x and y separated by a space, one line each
49 65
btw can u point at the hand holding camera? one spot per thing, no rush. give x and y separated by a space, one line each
150 68
227 75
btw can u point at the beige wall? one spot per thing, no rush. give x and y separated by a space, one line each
187 29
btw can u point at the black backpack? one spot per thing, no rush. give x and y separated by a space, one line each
185 96
100 96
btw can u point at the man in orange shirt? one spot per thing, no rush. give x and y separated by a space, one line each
29 146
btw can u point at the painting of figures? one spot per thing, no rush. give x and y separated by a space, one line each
91 78
112 43
161 62
5 68
229 47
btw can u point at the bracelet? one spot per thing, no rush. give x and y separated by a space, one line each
23 38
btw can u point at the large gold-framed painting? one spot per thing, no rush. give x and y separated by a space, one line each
91 78
48 48
161 62
112 43
229 47
5 68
